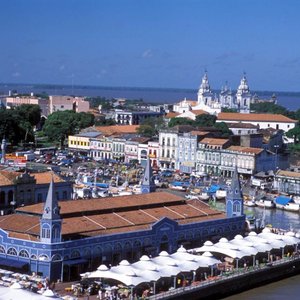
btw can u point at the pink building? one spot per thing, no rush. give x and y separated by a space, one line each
19 100
78 104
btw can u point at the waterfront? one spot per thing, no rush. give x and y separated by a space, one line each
284 289
289 100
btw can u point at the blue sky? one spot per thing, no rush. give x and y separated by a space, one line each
151 43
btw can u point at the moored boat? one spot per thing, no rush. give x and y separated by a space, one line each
265 203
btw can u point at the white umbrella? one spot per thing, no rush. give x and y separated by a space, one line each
145 263
49 293
165 259
274 239
102 272
290 238
207 260
16 286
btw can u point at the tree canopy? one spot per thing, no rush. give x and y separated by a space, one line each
180 121
151 126
17 124
61 124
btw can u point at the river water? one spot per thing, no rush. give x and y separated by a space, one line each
284 289
290 100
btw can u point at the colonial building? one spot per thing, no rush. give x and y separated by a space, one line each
82 142
60 103
168 142
209 155
134 117
287 182
248 160
17 189
62 239
187 149
262 121
153 153
210 103
242 128
101 148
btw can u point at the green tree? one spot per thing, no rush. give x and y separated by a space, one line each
151 126
268 107
29 115
9 127
180 121
205 120
294 133
61 124
223 127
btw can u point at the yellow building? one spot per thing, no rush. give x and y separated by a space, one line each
81 142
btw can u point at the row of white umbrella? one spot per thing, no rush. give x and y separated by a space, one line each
167 265
250 245
152 269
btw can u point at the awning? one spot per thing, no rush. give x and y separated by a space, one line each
76 261
8 262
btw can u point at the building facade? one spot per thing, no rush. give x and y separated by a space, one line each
60 240
262 121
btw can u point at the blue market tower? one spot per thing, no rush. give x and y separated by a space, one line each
148 185
51 221
234 199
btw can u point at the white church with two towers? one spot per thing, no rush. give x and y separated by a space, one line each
209 102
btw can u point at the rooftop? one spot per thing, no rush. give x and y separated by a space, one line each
288 173
227 116
110 215
212 141
116 129
245 149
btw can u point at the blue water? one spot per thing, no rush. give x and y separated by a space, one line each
290 100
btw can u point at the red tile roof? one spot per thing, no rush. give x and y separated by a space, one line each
245 149
172 114
213 141
110 215
116 129
227 116
198 112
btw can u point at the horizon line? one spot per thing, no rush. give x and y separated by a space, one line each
128 87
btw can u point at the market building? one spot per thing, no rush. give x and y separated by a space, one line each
61 239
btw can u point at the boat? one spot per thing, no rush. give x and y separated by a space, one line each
296 199
179 185
250 202
265 203
204 195
221 194
286 203
292 206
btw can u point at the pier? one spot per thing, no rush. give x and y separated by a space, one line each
234 282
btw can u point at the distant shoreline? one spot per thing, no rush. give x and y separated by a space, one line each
151 95
132 88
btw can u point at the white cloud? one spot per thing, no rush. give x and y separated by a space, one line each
147 53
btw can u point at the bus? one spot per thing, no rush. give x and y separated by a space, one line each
47 150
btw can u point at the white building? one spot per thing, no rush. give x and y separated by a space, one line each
262 121
213 104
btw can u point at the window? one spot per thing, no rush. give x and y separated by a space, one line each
12 251
40 198
24 253
2 249
2 198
